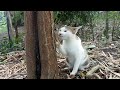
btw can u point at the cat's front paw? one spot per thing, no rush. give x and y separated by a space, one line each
72 75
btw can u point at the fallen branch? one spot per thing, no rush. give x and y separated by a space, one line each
90 73
98 76
109 69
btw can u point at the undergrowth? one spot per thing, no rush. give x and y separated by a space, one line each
14 45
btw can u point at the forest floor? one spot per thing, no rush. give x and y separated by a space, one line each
12 65
104 64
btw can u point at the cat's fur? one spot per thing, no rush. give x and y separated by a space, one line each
72 48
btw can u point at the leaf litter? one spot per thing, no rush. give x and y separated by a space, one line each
14 66
104 64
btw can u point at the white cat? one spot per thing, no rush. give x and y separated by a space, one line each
72 48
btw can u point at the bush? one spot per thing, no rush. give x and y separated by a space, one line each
5 45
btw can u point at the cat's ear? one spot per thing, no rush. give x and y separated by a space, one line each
75 29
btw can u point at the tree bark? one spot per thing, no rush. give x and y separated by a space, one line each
107 26
49 69
15 25
113 29
91 25
9 26
40 46
16 32
30 45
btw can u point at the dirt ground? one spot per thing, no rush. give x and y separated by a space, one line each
104 64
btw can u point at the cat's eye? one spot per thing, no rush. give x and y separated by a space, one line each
65 31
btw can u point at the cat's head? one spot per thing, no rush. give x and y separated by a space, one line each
66 32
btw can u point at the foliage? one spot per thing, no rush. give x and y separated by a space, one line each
5 44
3 26
98 26
18 18
73 17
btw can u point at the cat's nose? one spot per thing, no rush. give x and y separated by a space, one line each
60 34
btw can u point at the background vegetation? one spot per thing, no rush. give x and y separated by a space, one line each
101 27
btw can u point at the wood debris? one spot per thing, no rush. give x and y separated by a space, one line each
104 64
14 66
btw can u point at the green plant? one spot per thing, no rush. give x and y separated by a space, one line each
18 18
17 44
73 17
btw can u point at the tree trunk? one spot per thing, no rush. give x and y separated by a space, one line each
10 28
30 44
91 27
113 29
16 33
49 69
40 46
107 26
